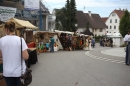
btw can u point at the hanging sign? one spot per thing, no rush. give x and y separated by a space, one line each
31 4
6 13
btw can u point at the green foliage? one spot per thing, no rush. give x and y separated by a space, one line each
73 15
125 23
98 37
60 17
87 27
67 16
123 45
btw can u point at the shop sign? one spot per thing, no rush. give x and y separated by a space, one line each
31 4
6 13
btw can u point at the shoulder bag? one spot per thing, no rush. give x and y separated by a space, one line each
26 78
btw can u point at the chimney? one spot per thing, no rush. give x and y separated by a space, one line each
89 13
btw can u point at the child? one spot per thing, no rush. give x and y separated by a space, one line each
47 46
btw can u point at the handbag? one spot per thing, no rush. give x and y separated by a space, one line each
26 78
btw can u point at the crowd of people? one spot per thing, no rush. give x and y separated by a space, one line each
72 42
106 42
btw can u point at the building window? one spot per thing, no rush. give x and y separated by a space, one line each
113 14
107 31
114 27
110 27
110 32
111 21
115 20
114 32
100 30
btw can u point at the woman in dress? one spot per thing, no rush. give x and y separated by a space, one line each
90 44
127 39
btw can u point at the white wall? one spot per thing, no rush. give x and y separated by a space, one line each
80 30
112 30
102 33
116 41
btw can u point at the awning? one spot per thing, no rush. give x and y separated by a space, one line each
1 27
23 24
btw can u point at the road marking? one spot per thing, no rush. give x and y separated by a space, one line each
104 59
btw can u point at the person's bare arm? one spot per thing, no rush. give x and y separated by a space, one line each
25 55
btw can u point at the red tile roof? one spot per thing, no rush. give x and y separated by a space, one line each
104 19
120 13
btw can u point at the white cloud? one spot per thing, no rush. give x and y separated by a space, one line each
88 3
80 4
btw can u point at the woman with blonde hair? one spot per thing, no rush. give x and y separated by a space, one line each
10 51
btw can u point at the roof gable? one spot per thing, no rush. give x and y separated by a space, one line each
81 19
120 13
95 21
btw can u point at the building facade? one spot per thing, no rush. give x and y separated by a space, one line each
112 23
94 21
35 17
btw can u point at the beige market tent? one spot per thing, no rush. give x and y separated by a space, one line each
2 33
23 24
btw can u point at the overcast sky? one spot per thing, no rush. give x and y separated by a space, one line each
101 7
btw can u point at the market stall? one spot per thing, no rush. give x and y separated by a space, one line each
70 40
42 38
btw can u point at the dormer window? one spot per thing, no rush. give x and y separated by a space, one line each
113 14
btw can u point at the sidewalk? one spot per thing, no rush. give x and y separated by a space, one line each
119 52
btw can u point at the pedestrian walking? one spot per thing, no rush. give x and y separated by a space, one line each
51 44
111 42
93 42
10 51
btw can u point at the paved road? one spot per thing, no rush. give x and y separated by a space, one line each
80 68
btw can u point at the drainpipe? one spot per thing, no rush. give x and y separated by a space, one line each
40 18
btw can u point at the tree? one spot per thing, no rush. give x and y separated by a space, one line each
68 16
87 27
73 15
87 31
124 23
61 17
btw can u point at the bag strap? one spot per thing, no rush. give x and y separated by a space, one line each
21 56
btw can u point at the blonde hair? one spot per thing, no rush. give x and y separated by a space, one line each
10 25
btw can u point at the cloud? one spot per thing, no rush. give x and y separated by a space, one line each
90 3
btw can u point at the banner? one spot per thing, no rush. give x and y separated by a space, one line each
31 4
6 13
